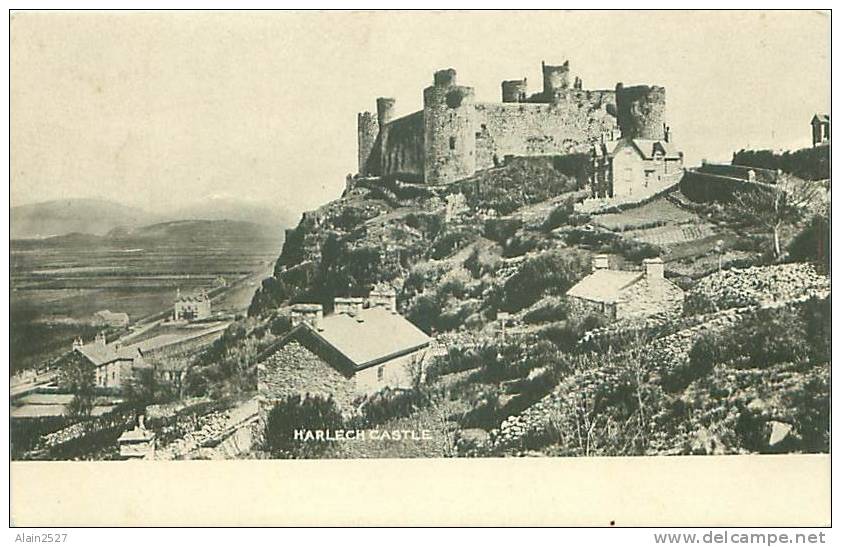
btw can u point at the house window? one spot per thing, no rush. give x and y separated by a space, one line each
380 373
452 143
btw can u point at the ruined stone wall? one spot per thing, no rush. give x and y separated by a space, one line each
296 370
402 148
529 129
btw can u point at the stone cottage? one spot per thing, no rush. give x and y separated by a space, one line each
114 366
353 352
620 294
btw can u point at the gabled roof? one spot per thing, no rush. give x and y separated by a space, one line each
101 354
379 335
373 336
648 147
820 118
604 285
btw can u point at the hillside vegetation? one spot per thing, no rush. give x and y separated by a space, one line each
509 240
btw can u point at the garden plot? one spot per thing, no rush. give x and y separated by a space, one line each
672 235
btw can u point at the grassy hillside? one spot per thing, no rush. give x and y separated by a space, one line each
508 239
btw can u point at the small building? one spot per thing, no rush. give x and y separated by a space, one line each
191 307
641 167
353 352
114 365
137 443
620 294
820 129
109 318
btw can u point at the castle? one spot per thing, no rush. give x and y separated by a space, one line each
454 136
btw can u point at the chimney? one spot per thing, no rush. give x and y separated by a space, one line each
311 314
350 305
600 262
383 297
77 342
100 339
141 421
653 268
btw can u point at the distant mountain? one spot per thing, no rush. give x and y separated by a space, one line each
198 232
100 217
66 216
232 208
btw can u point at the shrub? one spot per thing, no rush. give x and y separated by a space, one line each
390 403
559 216
549 311
296 413
502 229
552 272
449 241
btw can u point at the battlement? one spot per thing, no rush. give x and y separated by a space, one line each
453 136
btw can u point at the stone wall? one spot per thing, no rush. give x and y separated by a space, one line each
366 130
449 133
650 297
529 129
402 148
296 370
641 111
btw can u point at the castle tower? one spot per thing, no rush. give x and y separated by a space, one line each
449 134
514 91
385 110
641 111
367 128
555 79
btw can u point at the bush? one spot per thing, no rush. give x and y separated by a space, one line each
311 413
501 229
550 311
390 403
559 216
550 272
449 241
706 352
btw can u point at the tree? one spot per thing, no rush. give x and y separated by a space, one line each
77 376
787 202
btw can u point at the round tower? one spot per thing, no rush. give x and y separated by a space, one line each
514 91
641 111
367 128
449 133
555 79
385 110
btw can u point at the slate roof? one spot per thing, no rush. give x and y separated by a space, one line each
100 354
604 285
647 147
379 334
373 336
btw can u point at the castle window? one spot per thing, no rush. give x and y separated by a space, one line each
380 373
452 143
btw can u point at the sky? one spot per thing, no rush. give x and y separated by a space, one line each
159 109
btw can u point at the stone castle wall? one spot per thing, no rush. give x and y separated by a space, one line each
533 129
402 148
453 137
